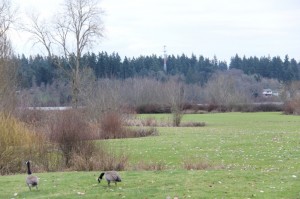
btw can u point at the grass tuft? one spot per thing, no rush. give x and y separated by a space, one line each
152 166
200 165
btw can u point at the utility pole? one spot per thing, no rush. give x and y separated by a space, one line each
165 59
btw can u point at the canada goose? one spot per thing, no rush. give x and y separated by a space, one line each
110 176
31 181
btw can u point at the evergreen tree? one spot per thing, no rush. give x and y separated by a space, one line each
235 62
294 70
43 70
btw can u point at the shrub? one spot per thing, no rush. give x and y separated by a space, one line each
268 107
151 121
177 117
212 107
70 132
153 108
111 126
32 117
83 159
292 106
147 122
17 144
141 132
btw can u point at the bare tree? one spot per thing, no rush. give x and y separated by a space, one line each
7 65
76 28
230 88
81 23
102 96
6 16
175 90
291 90
6 19
40 31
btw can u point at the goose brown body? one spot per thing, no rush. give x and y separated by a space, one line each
110 176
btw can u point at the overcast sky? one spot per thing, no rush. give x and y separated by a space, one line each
203 27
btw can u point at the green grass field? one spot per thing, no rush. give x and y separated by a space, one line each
251 155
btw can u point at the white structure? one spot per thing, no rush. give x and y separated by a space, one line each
165 59
267 92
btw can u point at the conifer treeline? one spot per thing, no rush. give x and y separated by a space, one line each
43 70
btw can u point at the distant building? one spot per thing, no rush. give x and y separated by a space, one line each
267 92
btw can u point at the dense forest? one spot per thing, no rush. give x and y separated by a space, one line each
43 70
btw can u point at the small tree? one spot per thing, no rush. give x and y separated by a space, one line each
292 98
71 133
175 91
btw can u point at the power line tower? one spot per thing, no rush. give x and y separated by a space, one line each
165 58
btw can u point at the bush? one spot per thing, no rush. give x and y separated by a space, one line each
111 126
33 117
17 144
268 107
153 108
141 132
177 117
292 106
71 133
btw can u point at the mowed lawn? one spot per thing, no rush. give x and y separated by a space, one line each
249 155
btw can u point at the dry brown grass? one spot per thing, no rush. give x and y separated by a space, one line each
100 159
189 164
152 122
32 117
150 166
140 132
192 124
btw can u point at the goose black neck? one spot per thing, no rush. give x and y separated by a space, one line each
28 168
101 175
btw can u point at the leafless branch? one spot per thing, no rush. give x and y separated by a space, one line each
77 26
40 32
